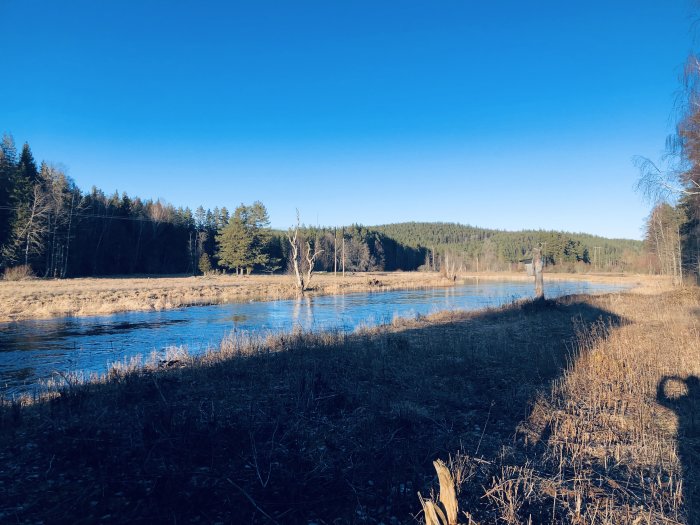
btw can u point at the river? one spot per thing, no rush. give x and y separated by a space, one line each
32 352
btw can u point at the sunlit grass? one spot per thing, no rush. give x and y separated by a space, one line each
541 411
35 299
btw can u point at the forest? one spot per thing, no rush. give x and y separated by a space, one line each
51 227
496 250
48 224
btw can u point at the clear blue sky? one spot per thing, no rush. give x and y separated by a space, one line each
371 112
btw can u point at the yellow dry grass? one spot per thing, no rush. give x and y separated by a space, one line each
92 296
581 410
616 438
39 299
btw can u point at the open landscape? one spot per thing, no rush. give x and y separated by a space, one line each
572 410
42 299
364 263
37 299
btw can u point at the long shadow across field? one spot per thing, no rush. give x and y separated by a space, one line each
325 427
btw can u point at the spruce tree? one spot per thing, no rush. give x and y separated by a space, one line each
26 167
204 264
243 244
234 242
259 227
8 165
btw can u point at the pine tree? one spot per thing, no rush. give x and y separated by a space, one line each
243 244
205 264
259 228
200 218
234 243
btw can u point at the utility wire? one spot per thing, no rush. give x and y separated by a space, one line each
95 216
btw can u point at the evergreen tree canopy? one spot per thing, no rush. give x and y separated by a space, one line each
243 242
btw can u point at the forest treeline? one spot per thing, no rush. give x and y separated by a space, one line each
50 225
47 223
478 249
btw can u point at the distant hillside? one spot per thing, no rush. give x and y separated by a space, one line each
497 250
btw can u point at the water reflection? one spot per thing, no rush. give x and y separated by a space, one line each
302 314
31 351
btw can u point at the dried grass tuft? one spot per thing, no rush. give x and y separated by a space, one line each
18 273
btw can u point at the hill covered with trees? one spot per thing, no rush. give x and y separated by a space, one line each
488 249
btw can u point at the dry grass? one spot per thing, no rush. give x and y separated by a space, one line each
543 412
80 297
642 283
18 273
616 438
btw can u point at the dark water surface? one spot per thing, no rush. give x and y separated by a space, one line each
32 352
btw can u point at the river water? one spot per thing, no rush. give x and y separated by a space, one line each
32 352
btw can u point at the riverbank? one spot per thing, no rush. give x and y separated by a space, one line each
638 283
554 410
41 299
37 299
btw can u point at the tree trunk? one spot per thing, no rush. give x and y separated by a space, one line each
537 269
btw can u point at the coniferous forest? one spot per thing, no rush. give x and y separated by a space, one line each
51 226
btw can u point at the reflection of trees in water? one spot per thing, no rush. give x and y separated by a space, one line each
684 400
450 292
302 315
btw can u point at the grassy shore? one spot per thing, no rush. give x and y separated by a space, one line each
554 411
37 299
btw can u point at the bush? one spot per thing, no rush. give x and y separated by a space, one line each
18 273
205 264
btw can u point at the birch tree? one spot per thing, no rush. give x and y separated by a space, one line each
30 228
663 235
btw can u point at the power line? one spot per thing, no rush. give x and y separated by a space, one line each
95 216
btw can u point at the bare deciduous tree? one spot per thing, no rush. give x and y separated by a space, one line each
64 202
676 181
31 227
664 237
303 267
658 185
450 266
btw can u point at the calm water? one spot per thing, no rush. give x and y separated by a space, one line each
33 351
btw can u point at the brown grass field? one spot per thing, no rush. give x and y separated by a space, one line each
582 410
41 298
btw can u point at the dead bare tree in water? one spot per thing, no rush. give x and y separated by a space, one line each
449 265
303 267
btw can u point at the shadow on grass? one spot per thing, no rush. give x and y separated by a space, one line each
333 428
687 409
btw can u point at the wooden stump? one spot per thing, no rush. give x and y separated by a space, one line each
537 270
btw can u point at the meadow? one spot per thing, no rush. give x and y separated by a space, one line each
578 410
45 298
